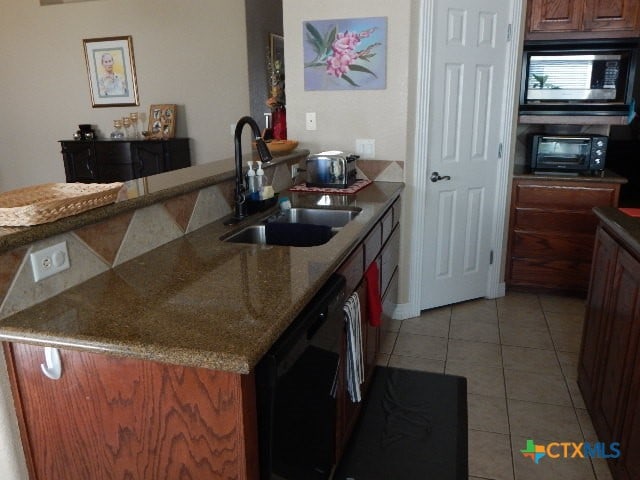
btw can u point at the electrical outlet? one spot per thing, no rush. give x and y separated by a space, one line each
49 261
366 147
294 171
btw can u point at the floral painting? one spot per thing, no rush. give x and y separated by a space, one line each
345 54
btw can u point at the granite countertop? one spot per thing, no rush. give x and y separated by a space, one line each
606 176
199 301
626 227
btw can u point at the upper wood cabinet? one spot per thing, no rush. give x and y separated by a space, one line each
566 19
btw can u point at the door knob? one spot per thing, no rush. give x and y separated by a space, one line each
435 177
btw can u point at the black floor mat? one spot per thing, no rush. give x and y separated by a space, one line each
413 426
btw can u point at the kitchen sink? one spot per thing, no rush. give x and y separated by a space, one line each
316 216
305 227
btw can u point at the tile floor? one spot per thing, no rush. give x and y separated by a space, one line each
519 355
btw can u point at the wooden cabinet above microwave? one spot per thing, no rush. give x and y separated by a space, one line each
586 19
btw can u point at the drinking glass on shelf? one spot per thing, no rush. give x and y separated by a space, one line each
117 132
126 123
133 116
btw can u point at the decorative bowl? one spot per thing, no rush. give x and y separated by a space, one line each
281 147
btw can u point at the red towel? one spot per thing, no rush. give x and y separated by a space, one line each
374 303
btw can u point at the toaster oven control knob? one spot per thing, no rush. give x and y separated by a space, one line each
596 161
598 152
599 143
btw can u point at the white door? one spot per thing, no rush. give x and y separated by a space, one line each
466 114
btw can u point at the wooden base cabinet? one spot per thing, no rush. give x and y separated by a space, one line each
109 417
609 362
551 232
381 245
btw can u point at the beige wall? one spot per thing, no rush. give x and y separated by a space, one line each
188 52
343 116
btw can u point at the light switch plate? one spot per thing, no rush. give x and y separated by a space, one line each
49 261
311 121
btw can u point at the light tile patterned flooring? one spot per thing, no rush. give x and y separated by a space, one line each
519 354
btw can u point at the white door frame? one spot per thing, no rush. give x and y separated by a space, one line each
495 285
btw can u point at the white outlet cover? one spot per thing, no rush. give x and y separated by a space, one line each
49 261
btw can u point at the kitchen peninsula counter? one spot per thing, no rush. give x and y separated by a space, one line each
609 361
625 227
199 301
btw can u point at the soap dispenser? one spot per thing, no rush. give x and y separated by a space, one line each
259 177
252 181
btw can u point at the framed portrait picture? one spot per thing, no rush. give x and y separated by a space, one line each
111 70
162 121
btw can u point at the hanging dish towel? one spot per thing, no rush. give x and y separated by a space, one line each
355 366
374 303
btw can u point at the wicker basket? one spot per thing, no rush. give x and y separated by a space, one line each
51 201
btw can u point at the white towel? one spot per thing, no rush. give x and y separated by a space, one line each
355 363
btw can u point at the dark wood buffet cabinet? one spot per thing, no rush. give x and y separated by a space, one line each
104 161
582 19
609 362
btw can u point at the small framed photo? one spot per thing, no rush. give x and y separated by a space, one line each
112 72
162 121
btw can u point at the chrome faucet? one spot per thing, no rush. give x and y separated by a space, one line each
265 157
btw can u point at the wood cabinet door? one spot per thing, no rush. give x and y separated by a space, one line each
554 15
627 467
79 162
605 252
110 417
148 158
617 16
621 338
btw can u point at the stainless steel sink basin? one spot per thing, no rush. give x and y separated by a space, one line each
313 217
251 234
316 216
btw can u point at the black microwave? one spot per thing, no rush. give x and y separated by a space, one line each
568 153
578 78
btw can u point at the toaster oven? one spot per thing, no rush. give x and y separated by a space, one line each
568 153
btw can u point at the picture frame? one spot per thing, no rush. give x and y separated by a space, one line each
276 48
162 121
111 71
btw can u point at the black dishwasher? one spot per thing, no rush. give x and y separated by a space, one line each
296 391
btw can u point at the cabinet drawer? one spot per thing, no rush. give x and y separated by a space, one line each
389 260
372 244
387 225
539 245
353 268
397 211
572 197
114 153
550 274
559 221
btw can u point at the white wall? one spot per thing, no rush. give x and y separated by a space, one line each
344 115
188 52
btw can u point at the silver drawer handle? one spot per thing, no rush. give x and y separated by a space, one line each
53 367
